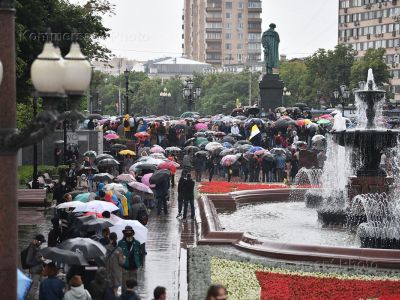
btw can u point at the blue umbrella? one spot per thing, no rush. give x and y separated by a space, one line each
227 145
23 285
255 149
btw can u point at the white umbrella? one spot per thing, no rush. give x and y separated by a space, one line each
96 206
140 230
116 187
126 178
213 146
70 204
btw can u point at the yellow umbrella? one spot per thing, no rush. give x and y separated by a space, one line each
307 121
127 152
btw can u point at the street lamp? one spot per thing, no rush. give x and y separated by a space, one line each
127 73
164 96
345 96
336 95
286 93
190 93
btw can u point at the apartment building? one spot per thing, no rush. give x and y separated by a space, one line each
221 32
375 24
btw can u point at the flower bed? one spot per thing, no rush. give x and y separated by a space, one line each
223 187
248 281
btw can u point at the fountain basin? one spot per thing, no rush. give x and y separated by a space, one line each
366 138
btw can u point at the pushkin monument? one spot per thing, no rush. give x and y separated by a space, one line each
271 86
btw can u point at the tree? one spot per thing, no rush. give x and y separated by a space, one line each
295 73
373 59
35 16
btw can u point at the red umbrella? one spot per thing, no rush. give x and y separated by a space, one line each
142 135
111 136
168 165
327 117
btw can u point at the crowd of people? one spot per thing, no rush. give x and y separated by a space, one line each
136 175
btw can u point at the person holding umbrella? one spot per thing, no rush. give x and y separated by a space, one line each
34 260
114 260
133 252
198 166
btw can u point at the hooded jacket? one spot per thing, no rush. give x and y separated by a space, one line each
77 293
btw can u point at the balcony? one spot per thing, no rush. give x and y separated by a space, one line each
214 50
254 30
209 30
214 9
255 6
255 20
214 20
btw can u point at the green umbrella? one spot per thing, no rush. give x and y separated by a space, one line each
200 140
90 153
324 121
85 197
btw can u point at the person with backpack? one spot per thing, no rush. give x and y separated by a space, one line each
132 250
32 259
114 260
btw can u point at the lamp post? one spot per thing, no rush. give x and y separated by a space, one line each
286 93
127 73
35 182
164 96
336 95
51 79
345 95
190 93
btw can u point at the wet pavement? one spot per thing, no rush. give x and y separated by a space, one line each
165 263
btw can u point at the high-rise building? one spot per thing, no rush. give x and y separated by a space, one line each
222 32
366 24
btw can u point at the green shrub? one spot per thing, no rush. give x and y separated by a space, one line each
25 172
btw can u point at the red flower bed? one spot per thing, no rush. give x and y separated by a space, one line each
295 287
223 187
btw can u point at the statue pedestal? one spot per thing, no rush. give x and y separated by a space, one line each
271 92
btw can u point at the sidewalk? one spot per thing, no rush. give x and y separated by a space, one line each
167 235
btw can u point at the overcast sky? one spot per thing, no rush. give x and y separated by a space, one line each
146 29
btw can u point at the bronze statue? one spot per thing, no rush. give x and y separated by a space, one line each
270 41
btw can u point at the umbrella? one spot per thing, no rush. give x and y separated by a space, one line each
278 151
213 146
140 187
85 169
103 177
90 153
227 152
191 149
88 247
284 123
318 142
202 153
280 110
200 126
108 162
95 116
85 197
190 142
200 140
63 256
70 204
200 134
158 156
268 156
173 149
102 156
126 178
160 176
253 121
142 135
303 122
110 132
219 134
116 187
227 145
229 139
120 224
317 138
312 127
96 206
323 121
260 152
203 145
241 142
23 285
111 136
146 180
301 144
244 148
188 114
144 151
229 160
119 147
254 149
96 224
327 117
157 149
167 165
127 152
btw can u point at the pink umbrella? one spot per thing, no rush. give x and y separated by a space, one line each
168 165
260 152
200 127
157 149
228 160
126 178
146 180
327 117
111 136
140 187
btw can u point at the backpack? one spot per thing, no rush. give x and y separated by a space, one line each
24 255
142 216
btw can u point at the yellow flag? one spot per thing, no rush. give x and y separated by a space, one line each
254 131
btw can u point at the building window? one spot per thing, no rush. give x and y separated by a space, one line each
240 15
240 36
240 26
228 26
228 15
228 36
228 46
254 36
240 5
239 46
228 5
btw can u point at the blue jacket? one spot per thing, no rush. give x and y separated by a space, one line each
51 288
280 162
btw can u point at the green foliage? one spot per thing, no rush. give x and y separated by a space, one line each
25 172
35 16
373 58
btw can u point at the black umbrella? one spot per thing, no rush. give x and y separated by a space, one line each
102 156
64 256
146 166
229 139
159 176
241 142
118 147
96 224
103 177
108 162
190 141
85 169
202 153
88 247
95 116
191 149
253 121
227 152
145 151
284 123
203 145
268 157
200 134
244 148
253 111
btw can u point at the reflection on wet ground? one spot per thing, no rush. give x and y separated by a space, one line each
163 246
